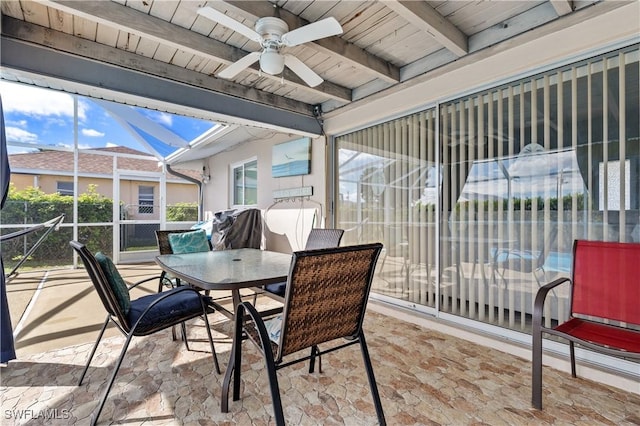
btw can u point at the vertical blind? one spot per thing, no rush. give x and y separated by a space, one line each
521 171
387 180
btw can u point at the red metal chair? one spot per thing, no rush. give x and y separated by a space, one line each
604 314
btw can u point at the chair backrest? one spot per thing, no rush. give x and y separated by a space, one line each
605 280
320 238
326 295
101 284
162 237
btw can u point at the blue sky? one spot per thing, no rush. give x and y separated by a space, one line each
43 116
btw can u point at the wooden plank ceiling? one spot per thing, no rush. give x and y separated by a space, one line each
384 43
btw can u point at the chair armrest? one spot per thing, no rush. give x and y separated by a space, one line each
254 316
541 296
264 343
136 284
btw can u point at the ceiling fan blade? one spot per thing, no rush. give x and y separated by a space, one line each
233 69
227 21
324 28
303 71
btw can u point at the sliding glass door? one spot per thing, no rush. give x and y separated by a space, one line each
388 185
494 187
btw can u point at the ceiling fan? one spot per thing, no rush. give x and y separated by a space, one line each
273 34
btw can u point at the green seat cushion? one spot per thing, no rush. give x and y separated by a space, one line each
116 281
189 242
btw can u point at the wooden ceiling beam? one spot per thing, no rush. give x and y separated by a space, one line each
139 23
423 16
35 49
335 46
562 7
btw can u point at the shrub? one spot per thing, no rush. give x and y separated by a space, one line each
182 212
32 206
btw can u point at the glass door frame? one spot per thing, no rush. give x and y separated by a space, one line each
151 177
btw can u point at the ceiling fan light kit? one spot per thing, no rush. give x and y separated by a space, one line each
271 62
273 34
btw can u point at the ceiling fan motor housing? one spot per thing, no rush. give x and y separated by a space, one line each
273 34
271 29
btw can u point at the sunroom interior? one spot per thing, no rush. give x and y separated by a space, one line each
475 140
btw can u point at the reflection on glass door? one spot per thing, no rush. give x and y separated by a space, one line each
495 187
528 168
388 186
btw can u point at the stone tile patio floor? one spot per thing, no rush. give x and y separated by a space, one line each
424 377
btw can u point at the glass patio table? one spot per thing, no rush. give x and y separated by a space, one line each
233 270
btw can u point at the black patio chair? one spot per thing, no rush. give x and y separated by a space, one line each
162 238
326 299
140 317
164 247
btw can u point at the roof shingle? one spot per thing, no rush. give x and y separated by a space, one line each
62 161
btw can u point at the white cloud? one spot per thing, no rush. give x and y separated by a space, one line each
14 134
19 123
92 133
161 118
18 150
83 107
38 102
165 118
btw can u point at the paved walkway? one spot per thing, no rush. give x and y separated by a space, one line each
59 308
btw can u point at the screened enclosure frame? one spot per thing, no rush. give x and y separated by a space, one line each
75 225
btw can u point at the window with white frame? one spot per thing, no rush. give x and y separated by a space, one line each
64 188
145 199
245 183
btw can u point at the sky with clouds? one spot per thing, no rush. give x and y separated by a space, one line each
41 116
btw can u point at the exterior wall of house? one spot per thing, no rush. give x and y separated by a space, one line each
288 222
176 192
49 184
23 181
221 168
